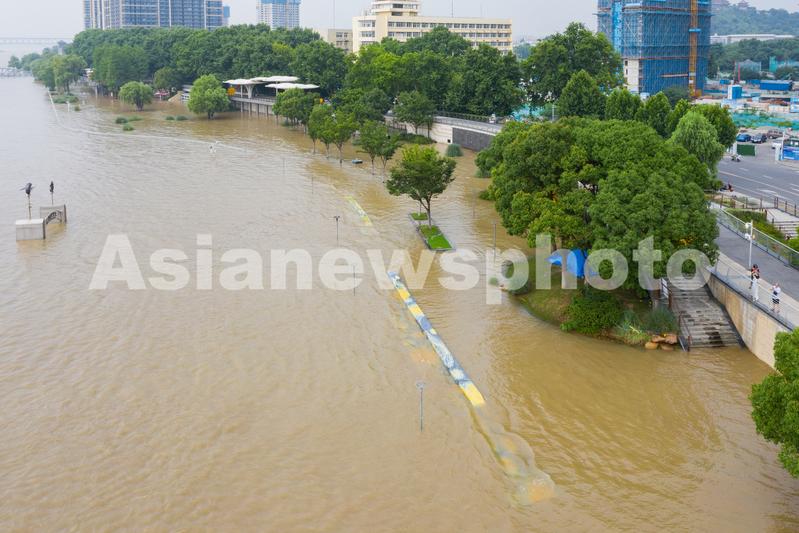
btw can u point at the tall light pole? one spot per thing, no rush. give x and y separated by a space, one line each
750 227
420 385
337 217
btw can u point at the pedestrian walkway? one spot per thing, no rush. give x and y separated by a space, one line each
732 267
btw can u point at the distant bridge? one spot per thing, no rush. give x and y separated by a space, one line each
6 72
34 40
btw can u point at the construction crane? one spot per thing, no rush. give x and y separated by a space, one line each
693 40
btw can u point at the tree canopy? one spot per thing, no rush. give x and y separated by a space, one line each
207 96
622 105
415 108
422 175
136 93
775 401
581 97
600 184
555 59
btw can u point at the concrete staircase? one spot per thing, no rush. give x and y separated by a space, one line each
703 318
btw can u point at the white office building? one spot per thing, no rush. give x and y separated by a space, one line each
279 13
400 20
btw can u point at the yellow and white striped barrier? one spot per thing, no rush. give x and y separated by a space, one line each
452 365
358 209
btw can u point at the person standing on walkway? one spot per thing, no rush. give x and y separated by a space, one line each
754 276
775 298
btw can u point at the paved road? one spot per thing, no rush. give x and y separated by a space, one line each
761 176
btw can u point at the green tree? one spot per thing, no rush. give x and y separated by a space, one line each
322 64
342 126
14 62
622 105
207 96
115 65
136 93
422 175
320 126
554 60
364 105
416 109
374 138
679 111
775 401
167 79
721 120
696 134
675 93
787 73
485 82
439 41
296 105
42 70
655 113
67 69
581 97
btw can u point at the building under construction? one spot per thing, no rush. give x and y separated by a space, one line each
662 42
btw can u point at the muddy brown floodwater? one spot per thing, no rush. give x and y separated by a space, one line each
297 410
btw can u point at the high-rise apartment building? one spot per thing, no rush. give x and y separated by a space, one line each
279 13
661 42
400 20
114 14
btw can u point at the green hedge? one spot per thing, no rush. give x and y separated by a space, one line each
592 311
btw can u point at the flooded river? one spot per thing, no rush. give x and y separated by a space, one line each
297 410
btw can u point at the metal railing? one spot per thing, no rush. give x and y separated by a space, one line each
786 206
737 278
472 118
765 242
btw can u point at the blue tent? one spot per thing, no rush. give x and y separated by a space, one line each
575 262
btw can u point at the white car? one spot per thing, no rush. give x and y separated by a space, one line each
775 145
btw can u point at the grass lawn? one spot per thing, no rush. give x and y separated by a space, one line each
419 216
434 238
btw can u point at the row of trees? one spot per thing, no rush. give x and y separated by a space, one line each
440 66
602 184
583 97
58 71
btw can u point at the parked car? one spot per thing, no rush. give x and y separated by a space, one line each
759 138
774 134
743 138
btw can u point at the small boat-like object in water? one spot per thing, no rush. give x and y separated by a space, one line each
357 161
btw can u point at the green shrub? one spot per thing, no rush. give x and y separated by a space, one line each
121 120
794 243
181 118
170 117
630 330
76 108
64 98
414 139
486 195
508 268
592 311
419 216
134 119
482 173
760 222
127 127
661 320
454 150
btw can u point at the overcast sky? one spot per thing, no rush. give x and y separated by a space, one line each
64 18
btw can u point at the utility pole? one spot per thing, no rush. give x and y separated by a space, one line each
420 385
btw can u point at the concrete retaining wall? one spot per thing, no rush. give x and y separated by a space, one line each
473 140
756 327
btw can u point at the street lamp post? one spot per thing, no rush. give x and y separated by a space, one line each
750 227
420 385
337 217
